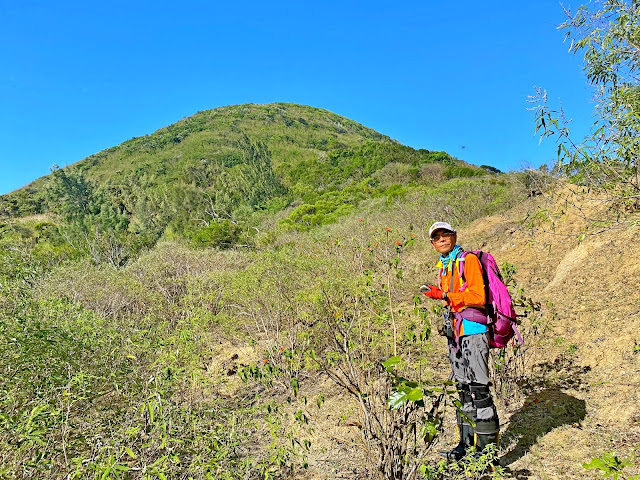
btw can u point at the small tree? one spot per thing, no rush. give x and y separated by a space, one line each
95 223
607 33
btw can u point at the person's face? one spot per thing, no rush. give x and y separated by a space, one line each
443 241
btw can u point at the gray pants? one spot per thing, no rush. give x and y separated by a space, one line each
470 365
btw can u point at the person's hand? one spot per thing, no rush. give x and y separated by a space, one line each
432 291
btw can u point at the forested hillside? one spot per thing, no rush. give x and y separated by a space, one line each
214 177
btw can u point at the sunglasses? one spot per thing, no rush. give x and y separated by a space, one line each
437 238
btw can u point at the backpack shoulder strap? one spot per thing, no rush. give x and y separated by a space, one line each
459 261
451 283
461 264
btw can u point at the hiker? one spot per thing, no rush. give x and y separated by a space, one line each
468 341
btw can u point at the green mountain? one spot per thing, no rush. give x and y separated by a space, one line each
230 162
218 177
298 137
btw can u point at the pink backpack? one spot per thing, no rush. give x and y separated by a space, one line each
500 317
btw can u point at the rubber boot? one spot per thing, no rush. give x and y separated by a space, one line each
465 442
464 428
487 431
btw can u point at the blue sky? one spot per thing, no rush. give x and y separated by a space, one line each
78 77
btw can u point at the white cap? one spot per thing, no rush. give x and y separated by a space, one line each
440 226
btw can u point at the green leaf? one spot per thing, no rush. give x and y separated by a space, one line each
392 361
428 431
403 389
396 400
596 463
150 410
415 394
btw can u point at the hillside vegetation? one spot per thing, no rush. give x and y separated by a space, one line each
142 285
249 309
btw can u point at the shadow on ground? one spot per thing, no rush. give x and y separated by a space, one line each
541 413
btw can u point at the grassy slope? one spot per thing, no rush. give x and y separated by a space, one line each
294 134
297 136
323 163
